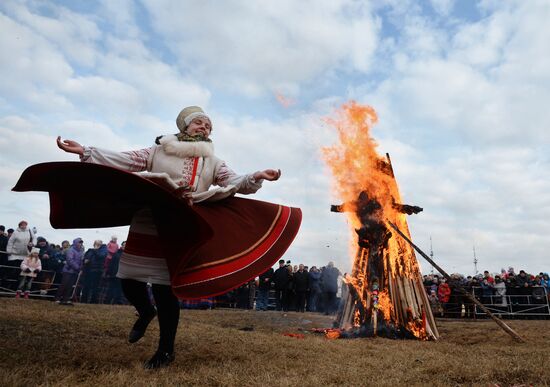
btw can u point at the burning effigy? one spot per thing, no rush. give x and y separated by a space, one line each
384 294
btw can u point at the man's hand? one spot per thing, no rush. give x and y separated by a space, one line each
268 174
70 146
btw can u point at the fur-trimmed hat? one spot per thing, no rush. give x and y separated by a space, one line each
35 250
187 115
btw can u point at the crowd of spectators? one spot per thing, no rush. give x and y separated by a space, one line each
290 288
69 272
66 272
504 290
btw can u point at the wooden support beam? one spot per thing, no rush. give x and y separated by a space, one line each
470 296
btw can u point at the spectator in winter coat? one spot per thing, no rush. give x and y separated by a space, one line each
523 283
301 286
444 294
488 277
329 281
510 284
264 286
290 294
114 287
94 262
486 291
59 258
472 287
30 267
281 279
545 282
500 291
3 256
314 289
457 299
523 280
46 252
71 271
19 245
434 303
49 264
112 248
3 245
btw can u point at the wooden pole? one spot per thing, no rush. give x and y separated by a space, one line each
499 322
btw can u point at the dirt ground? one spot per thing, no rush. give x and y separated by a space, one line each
42 343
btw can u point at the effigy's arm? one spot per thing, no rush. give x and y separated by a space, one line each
339 208
407 209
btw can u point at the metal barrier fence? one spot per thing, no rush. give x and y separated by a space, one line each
43 286
535 303
532 301
47 283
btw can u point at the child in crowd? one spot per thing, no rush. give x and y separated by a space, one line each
30 267
434 303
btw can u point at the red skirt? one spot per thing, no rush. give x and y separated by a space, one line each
209 248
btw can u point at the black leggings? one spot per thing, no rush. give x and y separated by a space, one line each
168 309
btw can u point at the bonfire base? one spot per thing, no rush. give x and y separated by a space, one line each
387 331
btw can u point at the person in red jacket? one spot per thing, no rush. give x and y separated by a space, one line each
444 294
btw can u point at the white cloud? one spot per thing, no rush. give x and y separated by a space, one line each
72 33
160 85
481 44
126 83
249 47
443 7
31 60
121 16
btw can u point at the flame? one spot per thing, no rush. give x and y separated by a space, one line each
384 304
332 334
357 167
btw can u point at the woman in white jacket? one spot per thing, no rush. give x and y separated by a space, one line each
20 243
500 290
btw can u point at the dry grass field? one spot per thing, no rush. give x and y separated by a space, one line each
42 343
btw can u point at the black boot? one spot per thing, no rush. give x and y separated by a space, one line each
136 293
160 359
168 315
140 326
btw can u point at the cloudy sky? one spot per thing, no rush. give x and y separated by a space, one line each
462 90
